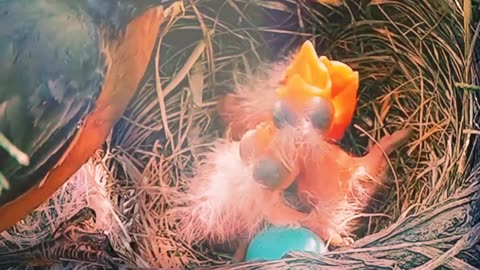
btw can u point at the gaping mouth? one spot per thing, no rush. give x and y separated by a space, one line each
322 90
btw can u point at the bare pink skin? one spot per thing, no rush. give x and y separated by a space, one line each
252 102
239 122
339 186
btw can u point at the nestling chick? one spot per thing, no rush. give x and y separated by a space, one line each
335 185
287 131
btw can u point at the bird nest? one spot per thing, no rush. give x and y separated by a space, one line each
415 60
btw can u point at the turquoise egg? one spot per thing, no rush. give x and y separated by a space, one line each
275 242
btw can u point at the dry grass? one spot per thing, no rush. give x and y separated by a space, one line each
410 54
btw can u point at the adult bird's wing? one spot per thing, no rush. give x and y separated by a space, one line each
51 72
63 87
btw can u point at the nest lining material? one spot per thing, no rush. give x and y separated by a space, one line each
409 54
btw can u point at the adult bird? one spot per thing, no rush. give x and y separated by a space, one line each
67 72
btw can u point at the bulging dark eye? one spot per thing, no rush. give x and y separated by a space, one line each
320 111
269 172
283 115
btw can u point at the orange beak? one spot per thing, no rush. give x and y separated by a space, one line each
309 76
264 134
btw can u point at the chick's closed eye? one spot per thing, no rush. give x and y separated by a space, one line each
269 172
283 114
320 112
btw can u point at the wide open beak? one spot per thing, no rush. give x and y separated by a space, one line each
345 83
309 76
